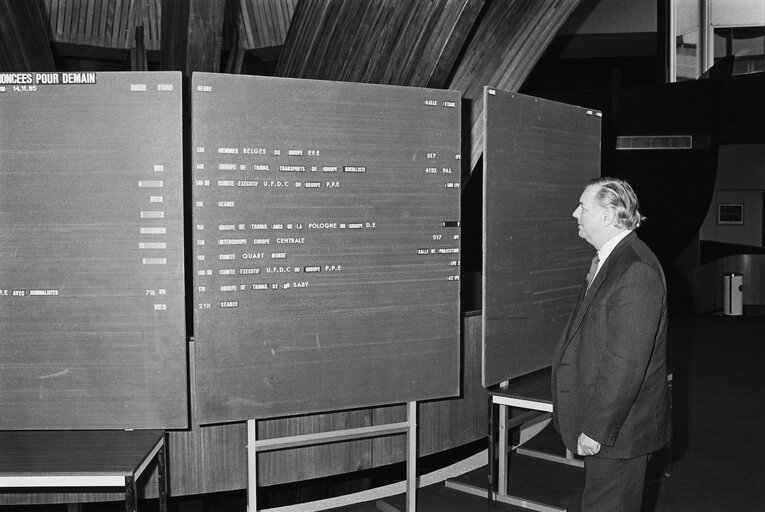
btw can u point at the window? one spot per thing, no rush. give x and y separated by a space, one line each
746 43
704 31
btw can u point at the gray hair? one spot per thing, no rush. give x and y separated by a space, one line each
617 195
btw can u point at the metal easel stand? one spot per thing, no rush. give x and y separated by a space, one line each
502 402
408 427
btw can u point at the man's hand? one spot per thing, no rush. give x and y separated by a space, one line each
586 445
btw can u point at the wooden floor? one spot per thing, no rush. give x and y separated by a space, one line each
718 449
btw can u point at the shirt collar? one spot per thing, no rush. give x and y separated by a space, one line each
609 246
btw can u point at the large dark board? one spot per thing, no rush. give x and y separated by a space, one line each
538 154
326 251
92 328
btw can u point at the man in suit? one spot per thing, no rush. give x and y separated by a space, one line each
609 374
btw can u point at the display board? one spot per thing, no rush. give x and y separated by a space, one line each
326 245
92 307
538 154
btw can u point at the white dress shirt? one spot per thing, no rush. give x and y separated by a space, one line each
608 248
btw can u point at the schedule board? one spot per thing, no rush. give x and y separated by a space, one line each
92 307
326 245
538 155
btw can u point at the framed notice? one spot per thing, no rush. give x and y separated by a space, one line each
92 303
326 245
730 213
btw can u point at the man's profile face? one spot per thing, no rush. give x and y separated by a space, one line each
590 217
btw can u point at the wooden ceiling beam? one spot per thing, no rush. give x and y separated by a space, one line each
174 34
139 60
24 42
205 36
192 35
509 39
377 41
264 23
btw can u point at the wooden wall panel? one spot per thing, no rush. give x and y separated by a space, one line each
214 458
205 460
314 461
509 38
373 41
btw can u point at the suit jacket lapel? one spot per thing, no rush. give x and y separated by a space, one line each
566 335
574 313
589 294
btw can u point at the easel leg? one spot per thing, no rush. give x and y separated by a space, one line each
252 467
502 457
411 458
162 475
492 455
131 494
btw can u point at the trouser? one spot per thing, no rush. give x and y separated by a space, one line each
613 485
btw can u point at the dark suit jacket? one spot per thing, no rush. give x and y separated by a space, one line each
609 371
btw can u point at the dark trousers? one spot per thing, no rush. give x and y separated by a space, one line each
613 485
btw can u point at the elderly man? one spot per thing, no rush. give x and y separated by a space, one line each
609 370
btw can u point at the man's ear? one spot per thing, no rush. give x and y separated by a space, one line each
610 218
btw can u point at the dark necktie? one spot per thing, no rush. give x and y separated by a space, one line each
593 269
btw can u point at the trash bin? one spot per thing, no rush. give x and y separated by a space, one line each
733 300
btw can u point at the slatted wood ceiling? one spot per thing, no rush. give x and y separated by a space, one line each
103 23
264 23
397 42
